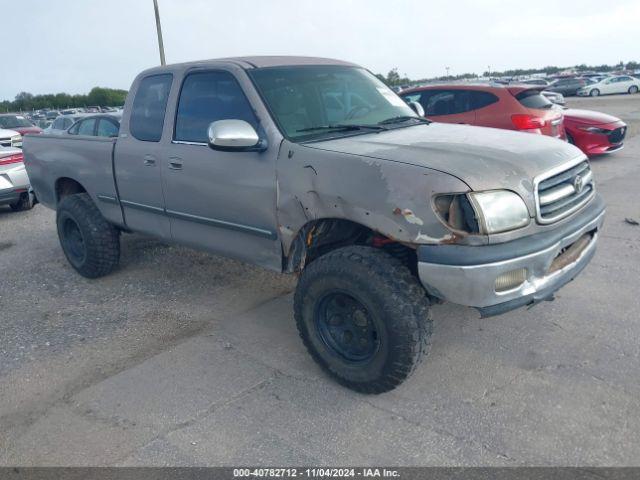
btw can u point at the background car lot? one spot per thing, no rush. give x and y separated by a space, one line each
186 358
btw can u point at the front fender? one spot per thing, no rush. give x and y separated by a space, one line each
392 198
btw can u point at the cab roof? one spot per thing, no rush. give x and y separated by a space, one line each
249 63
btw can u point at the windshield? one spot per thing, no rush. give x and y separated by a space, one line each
14 121
311 102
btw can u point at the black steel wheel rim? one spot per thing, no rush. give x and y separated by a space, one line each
346 327
73 241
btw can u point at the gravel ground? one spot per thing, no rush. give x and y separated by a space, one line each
553 385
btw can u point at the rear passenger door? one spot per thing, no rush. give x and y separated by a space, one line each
138 157
448 106
223 201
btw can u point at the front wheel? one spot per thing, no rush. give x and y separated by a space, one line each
363 317
633 89
594 93
89 241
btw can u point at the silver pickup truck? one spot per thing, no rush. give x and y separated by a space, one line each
313 166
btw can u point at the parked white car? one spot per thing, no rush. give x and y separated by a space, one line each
609 85
15 188
10 138
555 97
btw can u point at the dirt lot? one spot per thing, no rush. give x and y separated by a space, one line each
181 358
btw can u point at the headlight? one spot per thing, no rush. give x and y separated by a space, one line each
603 131
16 141
499 210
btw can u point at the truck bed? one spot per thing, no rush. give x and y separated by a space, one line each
51 159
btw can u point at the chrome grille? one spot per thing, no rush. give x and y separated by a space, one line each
562 191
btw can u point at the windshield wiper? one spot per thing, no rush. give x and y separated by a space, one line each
343 127
404 118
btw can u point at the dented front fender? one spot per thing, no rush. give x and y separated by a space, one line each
392 198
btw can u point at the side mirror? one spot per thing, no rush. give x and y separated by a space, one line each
233 135
416 107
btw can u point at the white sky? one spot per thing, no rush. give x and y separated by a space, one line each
73 45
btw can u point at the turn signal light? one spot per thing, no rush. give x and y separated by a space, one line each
522 121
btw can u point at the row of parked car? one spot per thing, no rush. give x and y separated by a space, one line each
590 86
519 107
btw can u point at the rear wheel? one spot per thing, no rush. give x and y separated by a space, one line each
90 243
570 139
363 317
633 89
26 202
594 93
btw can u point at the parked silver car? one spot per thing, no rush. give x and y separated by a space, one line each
15 189
62 123
10 138
554 97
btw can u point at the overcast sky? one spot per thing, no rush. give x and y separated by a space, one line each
73 45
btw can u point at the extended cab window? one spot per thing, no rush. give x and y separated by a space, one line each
149 107
207 97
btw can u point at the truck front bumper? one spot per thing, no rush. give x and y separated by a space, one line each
537 265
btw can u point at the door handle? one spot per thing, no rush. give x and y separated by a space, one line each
175 163
149 160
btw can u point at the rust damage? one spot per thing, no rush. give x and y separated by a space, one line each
323 190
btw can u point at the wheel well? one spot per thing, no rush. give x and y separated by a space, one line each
318 237
67 186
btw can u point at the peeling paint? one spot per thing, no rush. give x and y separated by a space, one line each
409 216
424 238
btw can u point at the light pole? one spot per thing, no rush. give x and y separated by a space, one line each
447 68
159 30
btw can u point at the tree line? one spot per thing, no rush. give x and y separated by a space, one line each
393 78
103 97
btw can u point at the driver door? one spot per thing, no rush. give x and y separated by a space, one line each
223 201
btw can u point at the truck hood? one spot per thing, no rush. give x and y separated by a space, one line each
483 158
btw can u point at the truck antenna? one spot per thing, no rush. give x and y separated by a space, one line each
159 30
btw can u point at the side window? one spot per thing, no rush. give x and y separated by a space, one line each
57 123
482 99
87 127
448 102
149 107
66 123
205 98
107 128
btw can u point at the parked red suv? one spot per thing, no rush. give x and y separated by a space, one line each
513 107
18 123
594 133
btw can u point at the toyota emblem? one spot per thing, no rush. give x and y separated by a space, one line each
578 184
